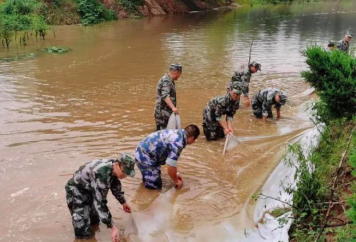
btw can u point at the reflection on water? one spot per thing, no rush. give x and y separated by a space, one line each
60 111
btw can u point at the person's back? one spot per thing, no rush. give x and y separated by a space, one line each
343 45
267 94
165 88
222 105
158 146
264 99
86 176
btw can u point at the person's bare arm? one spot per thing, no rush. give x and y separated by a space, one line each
114 234
170 104
224 126
278 113
172 172
247 100
229 126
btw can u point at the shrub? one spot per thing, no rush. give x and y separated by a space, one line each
7 28
63 12
333 74
130 5
93 12
22 16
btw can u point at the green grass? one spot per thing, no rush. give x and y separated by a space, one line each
314 188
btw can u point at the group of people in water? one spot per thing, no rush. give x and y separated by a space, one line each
86 191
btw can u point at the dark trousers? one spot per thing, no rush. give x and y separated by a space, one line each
82 209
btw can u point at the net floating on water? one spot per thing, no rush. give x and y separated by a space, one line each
230 143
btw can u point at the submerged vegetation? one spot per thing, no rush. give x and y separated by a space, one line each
56 49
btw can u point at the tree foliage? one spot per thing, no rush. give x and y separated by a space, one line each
22 16
93 12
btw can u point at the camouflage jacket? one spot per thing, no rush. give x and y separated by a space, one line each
165 88
223 105
266 97
343 46
161 147
242 75
96 177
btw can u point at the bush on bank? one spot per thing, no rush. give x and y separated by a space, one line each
93 12
333 75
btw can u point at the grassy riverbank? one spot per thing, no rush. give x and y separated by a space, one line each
324 203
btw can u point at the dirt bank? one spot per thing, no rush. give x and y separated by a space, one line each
167 7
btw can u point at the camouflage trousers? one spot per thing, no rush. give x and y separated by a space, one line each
151 176
257 109
81 207
161 118
212 129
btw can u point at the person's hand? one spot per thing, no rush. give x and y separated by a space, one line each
114 234
179 183
231 131
226 131
248 103
126 208
175 110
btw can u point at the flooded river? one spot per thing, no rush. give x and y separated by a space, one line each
60 111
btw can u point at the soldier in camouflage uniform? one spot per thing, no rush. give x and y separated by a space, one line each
263 101
344 44
244 76
86 193
166 98
213 124
160 148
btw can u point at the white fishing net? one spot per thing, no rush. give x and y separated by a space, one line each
231 142
174 122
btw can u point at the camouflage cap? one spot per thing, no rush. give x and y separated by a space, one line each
127 163
349 34
282 98
256 65
176 67
237 88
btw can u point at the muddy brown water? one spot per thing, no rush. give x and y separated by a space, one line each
60 111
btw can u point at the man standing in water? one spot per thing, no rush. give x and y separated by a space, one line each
160 148
213 124
263 101
166 99
344 44
86 194
244 76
